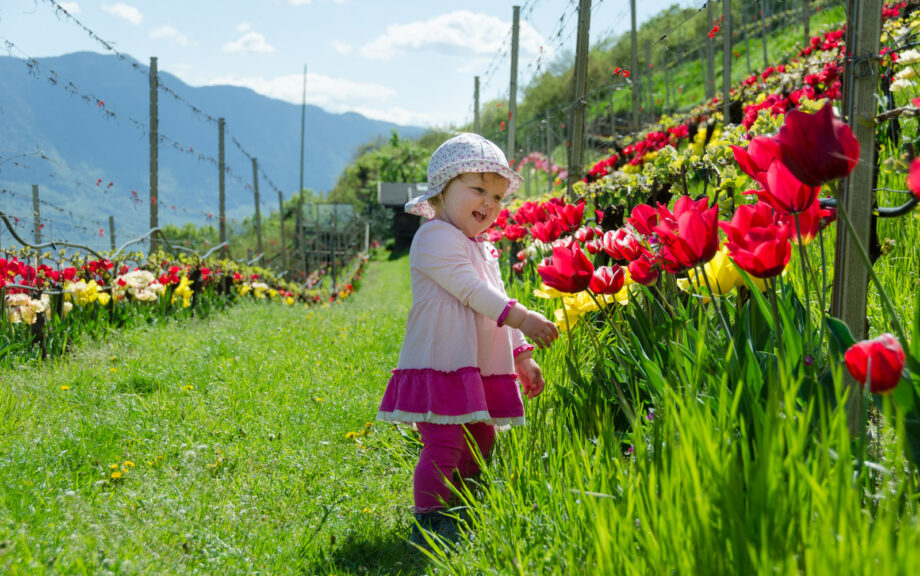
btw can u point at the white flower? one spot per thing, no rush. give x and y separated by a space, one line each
906 74
900 84
21 299
908 57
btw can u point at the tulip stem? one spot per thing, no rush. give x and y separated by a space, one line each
568 329
806 336
616 384
780 346
717 306
823 291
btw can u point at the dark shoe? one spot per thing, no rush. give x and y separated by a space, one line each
439 526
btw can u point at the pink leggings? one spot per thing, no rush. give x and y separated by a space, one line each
445 449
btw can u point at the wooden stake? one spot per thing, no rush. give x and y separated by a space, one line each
221 166
726 60
37 224
864 26
634 66
512 91
255 190
577 145
154 153
284 258
476 127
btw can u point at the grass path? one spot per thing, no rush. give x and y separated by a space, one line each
230 437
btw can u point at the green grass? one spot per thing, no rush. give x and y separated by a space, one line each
247 471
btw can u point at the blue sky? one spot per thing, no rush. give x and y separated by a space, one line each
406 61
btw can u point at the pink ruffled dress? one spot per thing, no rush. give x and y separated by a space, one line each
456 365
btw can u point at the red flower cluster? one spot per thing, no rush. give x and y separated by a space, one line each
809 150
171 276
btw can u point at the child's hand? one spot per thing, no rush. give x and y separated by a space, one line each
530 374
536 327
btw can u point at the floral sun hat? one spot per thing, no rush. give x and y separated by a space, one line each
465 152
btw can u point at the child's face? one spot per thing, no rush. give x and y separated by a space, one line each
472 201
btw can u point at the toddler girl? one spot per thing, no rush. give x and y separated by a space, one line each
464 340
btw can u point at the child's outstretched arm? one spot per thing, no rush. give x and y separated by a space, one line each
533 324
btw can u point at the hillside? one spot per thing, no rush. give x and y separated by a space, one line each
85 141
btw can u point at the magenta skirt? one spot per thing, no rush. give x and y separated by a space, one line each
456 397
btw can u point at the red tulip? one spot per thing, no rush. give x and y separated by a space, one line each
518 268
571 215
621 244
913 178
548 231
644 270
689 236
817 148
747 216
784 192
762 252
594 246
569 270
585 234
810 222
644 219
886 358
607 280
757 157
514 232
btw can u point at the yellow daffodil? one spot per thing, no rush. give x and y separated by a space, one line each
545 291
184 291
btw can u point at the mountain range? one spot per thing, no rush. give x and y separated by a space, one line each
77 125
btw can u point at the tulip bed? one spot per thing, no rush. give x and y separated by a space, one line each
44 310
698 422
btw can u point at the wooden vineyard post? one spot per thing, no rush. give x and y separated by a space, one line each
512 89
222 199
851 277
806 16
476 127
710 56
255 191
763 32
284 258
648 71
299 234
549 154
581 82
634 66
726 60
37 224
154 152
747 37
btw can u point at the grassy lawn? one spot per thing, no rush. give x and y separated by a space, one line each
231 439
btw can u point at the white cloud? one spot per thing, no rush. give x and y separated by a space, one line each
331 94
125 12
341 47
248 43
170 33
398 116
459 33
243 27
71 7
